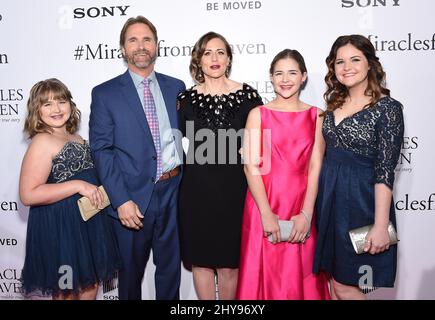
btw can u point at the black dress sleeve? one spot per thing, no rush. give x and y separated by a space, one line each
389 134
181 110
253 100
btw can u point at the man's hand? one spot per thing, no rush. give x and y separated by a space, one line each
130 215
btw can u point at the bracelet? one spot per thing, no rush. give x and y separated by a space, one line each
308 222
306 217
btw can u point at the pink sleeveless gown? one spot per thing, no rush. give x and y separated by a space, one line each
282 271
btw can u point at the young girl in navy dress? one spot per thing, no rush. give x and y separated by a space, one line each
66 257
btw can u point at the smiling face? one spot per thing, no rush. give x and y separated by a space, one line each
55 112
140 48
287 78
351 67
215 60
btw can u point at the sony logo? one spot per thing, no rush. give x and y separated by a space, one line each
96 12
369 3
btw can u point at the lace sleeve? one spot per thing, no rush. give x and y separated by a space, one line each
390 128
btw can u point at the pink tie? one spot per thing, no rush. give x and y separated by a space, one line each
153 122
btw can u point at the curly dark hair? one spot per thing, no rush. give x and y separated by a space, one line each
198 52
336 92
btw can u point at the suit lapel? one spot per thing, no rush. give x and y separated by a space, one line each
168 96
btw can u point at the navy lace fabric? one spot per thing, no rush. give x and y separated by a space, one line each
375 132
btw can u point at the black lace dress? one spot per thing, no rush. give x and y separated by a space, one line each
63 253
213 187
362 150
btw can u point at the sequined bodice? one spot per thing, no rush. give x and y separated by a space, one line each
219 111
375 132
72 159
204 118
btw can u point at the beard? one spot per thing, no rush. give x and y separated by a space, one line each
140 62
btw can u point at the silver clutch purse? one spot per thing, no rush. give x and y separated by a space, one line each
358 237
285 228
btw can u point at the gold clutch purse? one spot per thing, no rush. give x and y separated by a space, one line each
358 237
87 210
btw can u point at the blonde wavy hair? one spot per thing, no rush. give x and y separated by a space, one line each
42 92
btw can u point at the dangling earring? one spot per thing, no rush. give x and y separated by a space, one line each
200 74
227 71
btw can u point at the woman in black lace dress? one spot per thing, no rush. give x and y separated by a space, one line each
66 257
213 114
363 129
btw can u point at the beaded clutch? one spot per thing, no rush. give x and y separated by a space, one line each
285 228
358 236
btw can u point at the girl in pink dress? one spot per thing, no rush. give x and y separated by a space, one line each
283 152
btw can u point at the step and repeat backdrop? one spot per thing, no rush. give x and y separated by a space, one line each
77 42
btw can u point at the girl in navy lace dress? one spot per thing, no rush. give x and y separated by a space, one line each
363 129
66 257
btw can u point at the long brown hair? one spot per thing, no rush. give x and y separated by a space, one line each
198 52
40 93
336 92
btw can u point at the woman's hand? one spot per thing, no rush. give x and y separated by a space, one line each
377 240
300 230
271 226
91 192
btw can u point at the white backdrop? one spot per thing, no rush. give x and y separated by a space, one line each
77 41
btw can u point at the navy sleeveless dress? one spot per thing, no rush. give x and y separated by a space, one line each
362 150
59 243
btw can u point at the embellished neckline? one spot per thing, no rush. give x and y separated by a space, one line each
356 113
218 111
82 144
235 97
244 87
